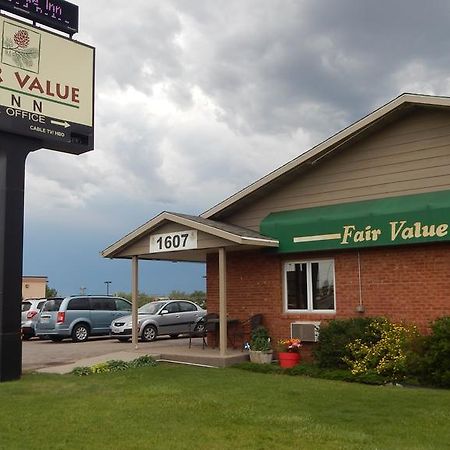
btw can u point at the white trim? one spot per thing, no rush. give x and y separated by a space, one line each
309 286
157 221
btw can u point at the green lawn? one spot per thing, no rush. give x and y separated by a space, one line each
178 407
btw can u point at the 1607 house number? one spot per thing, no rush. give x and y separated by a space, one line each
180 240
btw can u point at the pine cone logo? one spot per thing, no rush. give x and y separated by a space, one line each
22 39
21 47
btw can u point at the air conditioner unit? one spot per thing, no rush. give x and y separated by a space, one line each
305 331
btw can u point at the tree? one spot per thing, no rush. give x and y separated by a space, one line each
50 292
198 297
143 298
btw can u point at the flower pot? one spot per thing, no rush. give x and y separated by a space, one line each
259 357
287 359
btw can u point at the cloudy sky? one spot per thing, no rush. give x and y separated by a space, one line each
197 99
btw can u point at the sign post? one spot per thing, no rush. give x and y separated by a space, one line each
46 101
13 152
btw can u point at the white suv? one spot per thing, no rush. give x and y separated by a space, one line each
31 309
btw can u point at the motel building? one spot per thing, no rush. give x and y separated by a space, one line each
357 226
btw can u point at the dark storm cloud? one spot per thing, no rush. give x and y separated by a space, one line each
197 99
270 59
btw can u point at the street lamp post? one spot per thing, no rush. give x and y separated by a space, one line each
107 286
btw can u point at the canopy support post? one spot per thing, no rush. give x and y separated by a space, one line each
223 301
134 299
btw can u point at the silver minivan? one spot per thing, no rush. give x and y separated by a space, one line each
79 317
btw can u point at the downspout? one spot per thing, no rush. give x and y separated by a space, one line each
360 307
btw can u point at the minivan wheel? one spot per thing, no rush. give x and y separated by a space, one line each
149 333
80 333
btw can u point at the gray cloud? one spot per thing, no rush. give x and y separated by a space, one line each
195 100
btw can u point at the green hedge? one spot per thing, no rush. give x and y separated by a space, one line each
433 360
409 358
336 335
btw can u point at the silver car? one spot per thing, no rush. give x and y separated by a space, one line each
167 317
31 309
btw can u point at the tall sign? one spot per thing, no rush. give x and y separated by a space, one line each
46 87
46 101
57 14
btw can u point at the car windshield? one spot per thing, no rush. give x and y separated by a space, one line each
151 308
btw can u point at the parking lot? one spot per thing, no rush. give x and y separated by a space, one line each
38 353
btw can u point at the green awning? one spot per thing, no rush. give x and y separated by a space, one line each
411 219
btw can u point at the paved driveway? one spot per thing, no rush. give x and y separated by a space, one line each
37 353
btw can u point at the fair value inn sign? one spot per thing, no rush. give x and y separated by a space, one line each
46 87
392 221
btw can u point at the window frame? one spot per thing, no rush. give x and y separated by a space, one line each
309 300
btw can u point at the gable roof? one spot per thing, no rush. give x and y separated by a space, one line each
380 117
232 233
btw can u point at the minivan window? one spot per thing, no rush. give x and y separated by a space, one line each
52 305
40 305
26 306
78 304
122 305
103 304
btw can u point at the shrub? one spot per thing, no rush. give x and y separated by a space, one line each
100 368
143 361
388 356
436 354
260 340
115 366
81 371
335 337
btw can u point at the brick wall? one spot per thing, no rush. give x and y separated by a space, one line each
409 283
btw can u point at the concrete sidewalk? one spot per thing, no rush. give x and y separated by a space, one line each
194 355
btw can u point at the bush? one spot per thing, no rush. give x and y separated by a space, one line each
100 368
260 340
387 357
82 371
435 368
143 361
335 337
115 366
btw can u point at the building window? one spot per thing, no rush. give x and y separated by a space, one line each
309 286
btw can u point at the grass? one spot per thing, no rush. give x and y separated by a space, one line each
178 407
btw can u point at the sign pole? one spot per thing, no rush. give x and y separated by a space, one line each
13 153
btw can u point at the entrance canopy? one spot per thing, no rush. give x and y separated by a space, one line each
180 237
